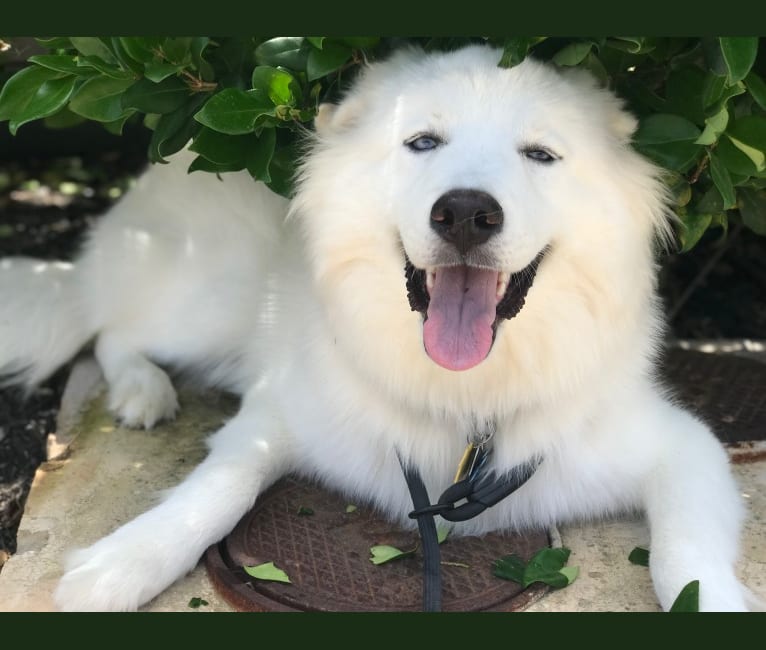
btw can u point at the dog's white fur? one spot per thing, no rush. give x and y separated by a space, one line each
308 319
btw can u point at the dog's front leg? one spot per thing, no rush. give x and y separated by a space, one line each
695 514
139 560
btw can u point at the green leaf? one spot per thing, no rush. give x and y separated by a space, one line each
322 62
757 88
688 599
141 49
174 130
382 554
677 156
19 91
282 173
197 602
684 92
515 50
115 128
100 99
661 128
163 97
711 48
727 93
510 567
49 98
177 50
752 209
442 532
678 185
303 511
722 181
739 54
280 86
715 125
197 48
123 58
632 44
202 164
350 508
572 54
61 62
95 47
570 573
222 149
546 566
594 65
639 556
733 158
234 111
258 161
109 69
316 41
158 71
691 229
748 134
64 119
287 51
55 43
267 571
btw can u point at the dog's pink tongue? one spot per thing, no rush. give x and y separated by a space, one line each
458 331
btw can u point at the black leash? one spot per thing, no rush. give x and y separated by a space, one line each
478 490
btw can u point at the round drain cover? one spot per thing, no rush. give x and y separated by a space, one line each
325 550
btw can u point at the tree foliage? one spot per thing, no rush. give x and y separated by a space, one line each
243 102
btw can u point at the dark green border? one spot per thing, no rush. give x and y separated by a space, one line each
385 17
390 631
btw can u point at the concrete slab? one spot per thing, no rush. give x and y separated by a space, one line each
100 476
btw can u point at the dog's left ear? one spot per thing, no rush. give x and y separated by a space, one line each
622 123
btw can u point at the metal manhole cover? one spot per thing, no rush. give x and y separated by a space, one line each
326 555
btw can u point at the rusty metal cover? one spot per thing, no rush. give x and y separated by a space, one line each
326 555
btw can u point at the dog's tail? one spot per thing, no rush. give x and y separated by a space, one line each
43 322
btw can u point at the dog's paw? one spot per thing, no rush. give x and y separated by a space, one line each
142 395
101 579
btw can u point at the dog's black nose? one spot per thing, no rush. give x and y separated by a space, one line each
466 218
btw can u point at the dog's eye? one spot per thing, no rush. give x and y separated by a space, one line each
539 154
423 142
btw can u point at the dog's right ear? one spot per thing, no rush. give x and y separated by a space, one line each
335 118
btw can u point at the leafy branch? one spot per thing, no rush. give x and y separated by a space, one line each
243 102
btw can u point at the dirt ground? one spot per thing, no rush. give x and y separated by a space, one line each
47 200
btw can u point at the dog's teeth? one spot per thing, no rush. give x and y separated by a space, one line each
502 284
430 279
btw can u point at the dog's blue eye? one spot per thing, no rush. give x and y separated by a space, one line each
423 142
538 154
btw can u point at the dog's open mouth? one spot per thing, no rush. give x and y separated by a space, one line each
462 307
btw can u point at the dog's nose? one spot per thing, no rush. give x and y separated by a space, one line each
466 218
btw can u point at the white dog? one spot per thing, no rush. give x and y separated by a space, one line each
528 228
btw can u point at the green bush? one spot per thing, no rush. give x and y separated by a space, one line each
243 102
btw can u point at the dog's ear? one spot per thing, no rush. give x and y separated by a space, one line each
622 123
335 118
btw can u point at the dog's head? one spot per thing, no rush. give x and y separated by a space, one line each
471 185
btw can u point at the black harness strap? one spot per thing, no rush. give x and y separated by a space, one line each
432 577
480 491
